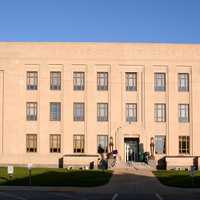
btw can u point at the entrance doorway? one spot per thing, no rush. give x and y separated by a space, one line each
131 149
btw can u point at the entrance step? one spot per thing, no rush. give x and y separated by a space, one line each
153 163
133 165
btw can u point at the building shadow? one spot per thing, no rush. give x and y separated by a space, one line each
56 177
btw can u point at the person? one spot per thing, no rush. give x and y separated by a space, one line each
133 156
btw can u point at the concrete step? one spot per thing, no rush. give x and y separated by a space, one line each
152 163
133 165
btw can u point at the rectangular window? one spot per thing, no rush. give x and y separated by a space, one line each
79 80
102 112
55 143
131 112
183 81
55 80
184 144
102 143
159 81
31 143
31 111
160 112
79 143
160 144
32 80
55 111
131 81
184 113
102 80
79 112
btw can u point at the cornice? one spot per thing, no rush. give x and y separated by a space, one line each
91 51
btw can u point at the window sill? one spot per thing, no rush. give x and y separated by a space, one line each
160 91
183 90
55 152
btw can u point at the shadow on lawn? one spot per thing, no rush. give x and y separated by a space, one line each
178 178
83 178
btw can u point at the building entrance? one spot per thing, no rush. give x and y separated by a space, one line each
131 149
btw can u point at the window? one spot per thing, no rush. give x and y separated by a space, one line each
31 143
183 79
31 111
102 112
131 81
31 80
55 143
79 80
78 143
183 112
160 112
102 80
160 144
131 112
184 144
55 109
79 112
55 80
102 143
160 82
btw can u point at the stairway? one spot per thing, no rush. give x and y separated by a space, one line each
132 165
153 163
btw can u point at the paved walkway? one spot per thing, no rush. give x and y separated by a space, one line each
124 181
136 181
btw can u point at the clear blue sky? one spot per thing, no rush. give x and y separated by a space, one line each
173 21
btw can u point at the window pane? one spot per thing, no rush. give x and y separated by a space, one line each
55 143
79 112
31 111
55 111
79 80
102 143
31 143
32 80
183 112
160 144
183 81
78 143
131 81
55 80
102 112
184 144
159 81
160 112
131 112
102 80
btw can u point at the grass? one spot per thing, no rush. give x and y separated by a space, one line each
178 178
55 177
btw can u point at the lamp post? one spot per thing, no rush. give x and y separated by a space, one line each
111 144
152 147
117 133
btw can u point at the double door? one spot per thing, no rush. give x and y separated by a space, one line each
131 149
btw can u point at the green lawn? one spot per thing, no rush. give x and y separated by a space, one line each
178 178
56 177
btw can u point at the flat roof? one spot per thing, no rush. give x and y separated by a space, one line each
99 51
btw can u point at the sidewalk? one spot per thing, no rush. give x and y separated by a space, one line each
127 181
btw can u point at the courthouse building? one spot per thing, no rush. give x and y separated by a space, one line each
60 101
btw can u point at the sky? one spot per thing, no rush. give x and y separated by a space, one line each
166 21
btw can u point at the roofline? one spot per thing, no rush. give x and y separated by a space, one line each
98 43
